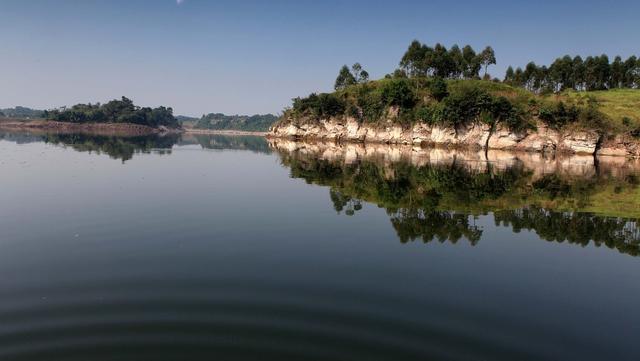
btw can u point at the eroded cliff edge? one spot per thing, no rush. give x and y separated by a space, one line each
474 135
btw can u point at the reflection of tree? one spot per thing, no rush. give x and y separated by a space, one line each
116 147
20 138
438 202
240 142
578 228
346 203
434 225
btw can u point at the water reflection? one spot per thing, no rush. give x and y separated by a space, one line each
252 143
436 194
125 147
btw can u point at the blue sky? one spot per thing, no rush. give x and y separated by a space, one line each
202 56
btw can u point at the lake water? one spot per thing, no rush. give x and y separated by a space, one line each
219 248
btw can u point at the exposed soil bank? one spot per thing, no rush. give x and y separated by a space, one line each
478 136
116 129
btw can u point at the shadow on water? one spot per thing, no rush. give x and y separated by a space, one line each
435 194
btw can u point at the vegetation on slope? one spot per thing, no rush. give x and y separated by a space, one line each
443 86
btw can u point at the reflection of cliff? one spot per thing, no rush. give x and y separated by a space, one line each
238 142
434 194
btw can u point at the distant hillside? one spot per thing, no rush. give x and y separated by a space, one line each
187 121
219 121
21 112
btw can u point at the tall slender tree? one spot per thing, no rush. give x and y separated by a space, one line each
487 57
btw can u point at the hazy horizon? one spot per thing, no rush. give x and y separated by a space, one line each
253 57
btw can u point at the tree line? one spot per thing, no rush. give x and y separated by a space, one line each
114 111
592 73
454 63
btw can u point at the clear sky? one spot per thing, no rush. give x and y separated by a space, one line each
202 56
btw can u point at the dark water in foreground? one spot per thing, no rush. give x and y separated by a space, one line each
217 248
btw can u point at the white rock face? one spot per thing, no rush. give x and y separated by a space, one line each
477 135
580 142
620 146
503 138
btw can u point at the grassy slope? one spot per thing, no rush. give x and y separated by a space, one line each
616 104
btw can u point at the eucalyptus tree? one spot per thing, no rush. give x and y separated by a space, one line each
487 57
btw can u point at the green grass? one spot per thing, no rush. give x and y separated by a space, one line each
617 104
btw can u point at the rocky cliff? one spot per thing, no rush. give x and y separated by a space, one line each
477 135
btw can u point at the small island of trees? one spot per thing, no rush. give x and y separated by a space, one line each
115 111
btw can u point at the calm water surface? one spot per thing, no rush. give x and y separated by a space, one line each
202 248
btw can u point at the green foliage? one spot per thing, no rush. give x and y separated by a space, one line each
370 104
398 92
319 106
592 73
465 105
557 115
115 111
431 114
438 88
423 60
253 123
344 79
347 77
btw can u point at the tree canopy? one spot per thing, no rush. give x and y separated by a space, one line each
423 60
115 111
347 77
592 73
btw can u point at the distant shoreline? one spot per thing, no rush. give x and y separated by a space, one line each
115 129
223 132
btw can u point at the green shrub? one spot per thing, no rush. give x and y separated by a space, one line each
557 115
398 92
431 114
465 105
320 106
370 102
438 88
